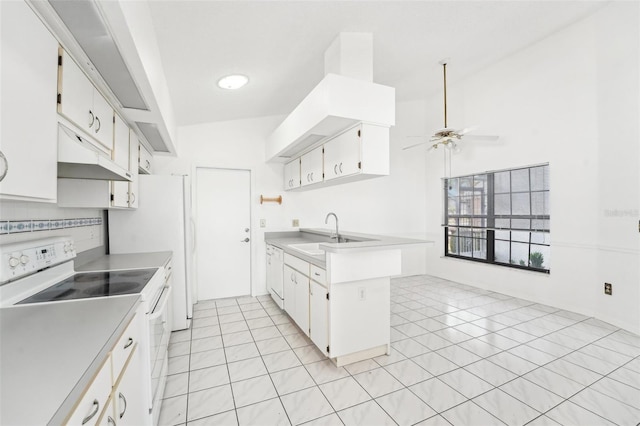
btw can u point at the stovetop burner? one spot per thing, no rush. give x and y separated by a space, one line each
94 284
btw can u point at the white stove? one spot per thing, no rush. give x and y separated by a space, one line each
42 271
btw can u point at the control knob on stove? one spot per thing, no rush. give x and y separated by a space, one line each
14 261
24 259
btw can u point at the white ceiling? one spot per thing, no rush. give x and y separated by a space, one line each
280 45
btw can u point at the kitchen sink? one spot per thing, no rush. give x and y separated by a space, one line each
312 249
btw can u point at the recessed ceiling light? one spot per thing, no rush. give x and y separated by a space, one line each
233 82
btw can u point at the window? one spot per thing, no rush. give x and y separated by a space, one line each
500 217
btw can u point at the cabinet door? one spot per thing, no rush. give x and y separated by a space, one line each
102 129
129 394
289 290
108 417
134 150
318 316
302 302
292 174
28 120
93 402
120 156
76 95
311 167
342 154
145 162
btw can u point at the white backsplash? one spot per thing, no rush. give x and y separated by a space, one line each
23 221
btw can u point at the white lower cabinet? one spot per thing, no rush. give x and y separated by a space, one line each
318 316
92 404
128 394
296 296
117 395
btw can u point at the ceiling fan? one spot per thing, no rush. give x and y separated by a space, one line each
448 137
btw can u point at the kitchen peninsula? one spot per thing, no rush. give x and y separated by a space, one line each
337 289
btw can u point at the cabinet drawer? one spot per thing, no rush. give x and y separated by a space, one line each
297 264
318 275
124 347
94 399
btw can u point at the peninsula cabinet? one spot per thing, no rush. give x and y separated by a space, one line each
28 119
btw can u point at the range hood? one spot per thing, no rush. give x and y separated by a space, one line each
79 159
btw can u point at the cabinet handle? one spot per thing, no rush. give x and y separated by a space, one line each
96 406
316 274
129 343
293 277
111 421
124 400
308 177
148 164
92 118
5 166
97 125
311 176
340 167
134 198
335 169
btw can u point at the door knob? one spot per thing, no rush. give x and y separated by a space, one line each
246 240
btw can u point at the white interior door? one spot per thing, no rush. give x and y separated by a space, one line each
223 248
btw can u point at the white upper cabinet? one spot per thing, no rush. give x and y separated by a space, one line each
80 102
361 152
342 154
28 120
292 174
311 167
145 161
120 156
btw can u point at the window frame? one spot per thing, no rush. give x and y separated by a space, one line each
488 216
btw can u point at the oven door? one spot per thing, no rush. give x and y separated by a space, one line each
159 333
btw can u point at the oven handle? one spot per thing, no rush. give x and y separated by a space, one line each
162 304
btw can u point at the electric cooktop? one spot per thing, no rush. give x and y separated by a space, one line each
94 284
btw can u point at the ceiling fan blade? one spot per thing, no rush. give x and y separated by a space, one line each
414 145
467 130
483 137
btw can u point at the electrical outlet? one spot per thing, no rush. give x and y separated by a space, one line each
362 294
263 223
608 289
295 223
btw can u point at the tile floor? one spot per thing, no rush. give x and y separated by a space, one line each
460 356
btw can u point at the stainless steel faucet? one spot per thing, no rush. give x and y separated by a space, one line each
326 220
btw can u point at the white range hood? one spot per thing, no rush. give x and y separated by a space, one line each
80 159
345 96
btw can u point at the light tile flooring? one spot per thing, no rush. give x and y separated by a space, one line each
460 356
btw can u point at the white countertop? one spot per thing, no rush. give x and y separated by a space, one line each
370 242
113 262
49 352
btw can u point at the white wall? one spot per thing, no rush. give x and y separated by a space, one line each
387 205
570 100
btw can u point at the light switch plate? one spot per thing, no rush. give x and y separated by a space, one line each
295 223
263 223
